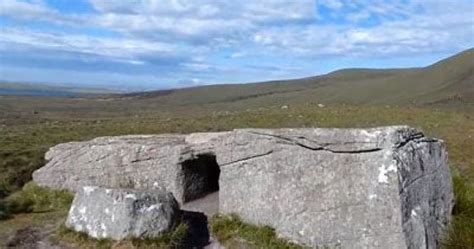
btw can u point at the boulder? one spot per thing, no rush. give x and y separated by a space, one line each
122 213
386 187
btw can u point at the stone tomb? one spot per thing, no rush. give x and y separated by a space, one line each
387 187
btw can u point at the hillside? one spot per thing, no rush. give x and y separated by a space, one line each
450 80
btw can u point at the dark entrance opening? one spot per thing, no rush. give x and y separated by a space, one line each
200 197
201 177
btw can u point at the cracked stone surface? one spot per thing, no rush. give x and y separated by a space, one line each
122 213
387 187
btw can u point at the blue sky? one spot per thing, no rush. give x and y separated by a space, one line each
155 44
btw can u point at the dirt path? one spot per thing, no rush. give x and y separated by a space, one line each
209 205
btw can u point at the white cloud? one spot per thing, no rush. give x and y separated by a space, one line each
197 66
255 10
198 21
109 47
238 55
176 28
25 10
432 30
277 26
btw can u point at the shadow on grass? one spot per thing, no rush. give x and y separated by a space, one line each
197 235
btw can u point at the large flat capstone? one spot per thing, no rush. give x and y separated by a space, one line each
122 213
387 187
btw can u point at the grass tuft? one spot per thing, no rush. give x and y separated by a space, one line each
81 239
460 233
232 232
173 239
33 198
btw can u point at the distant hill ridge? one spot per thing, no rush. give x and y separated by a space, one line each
36 89
449 80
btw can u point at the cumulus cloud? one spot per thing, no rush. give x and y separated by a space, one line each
212 22
435 29
276 25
